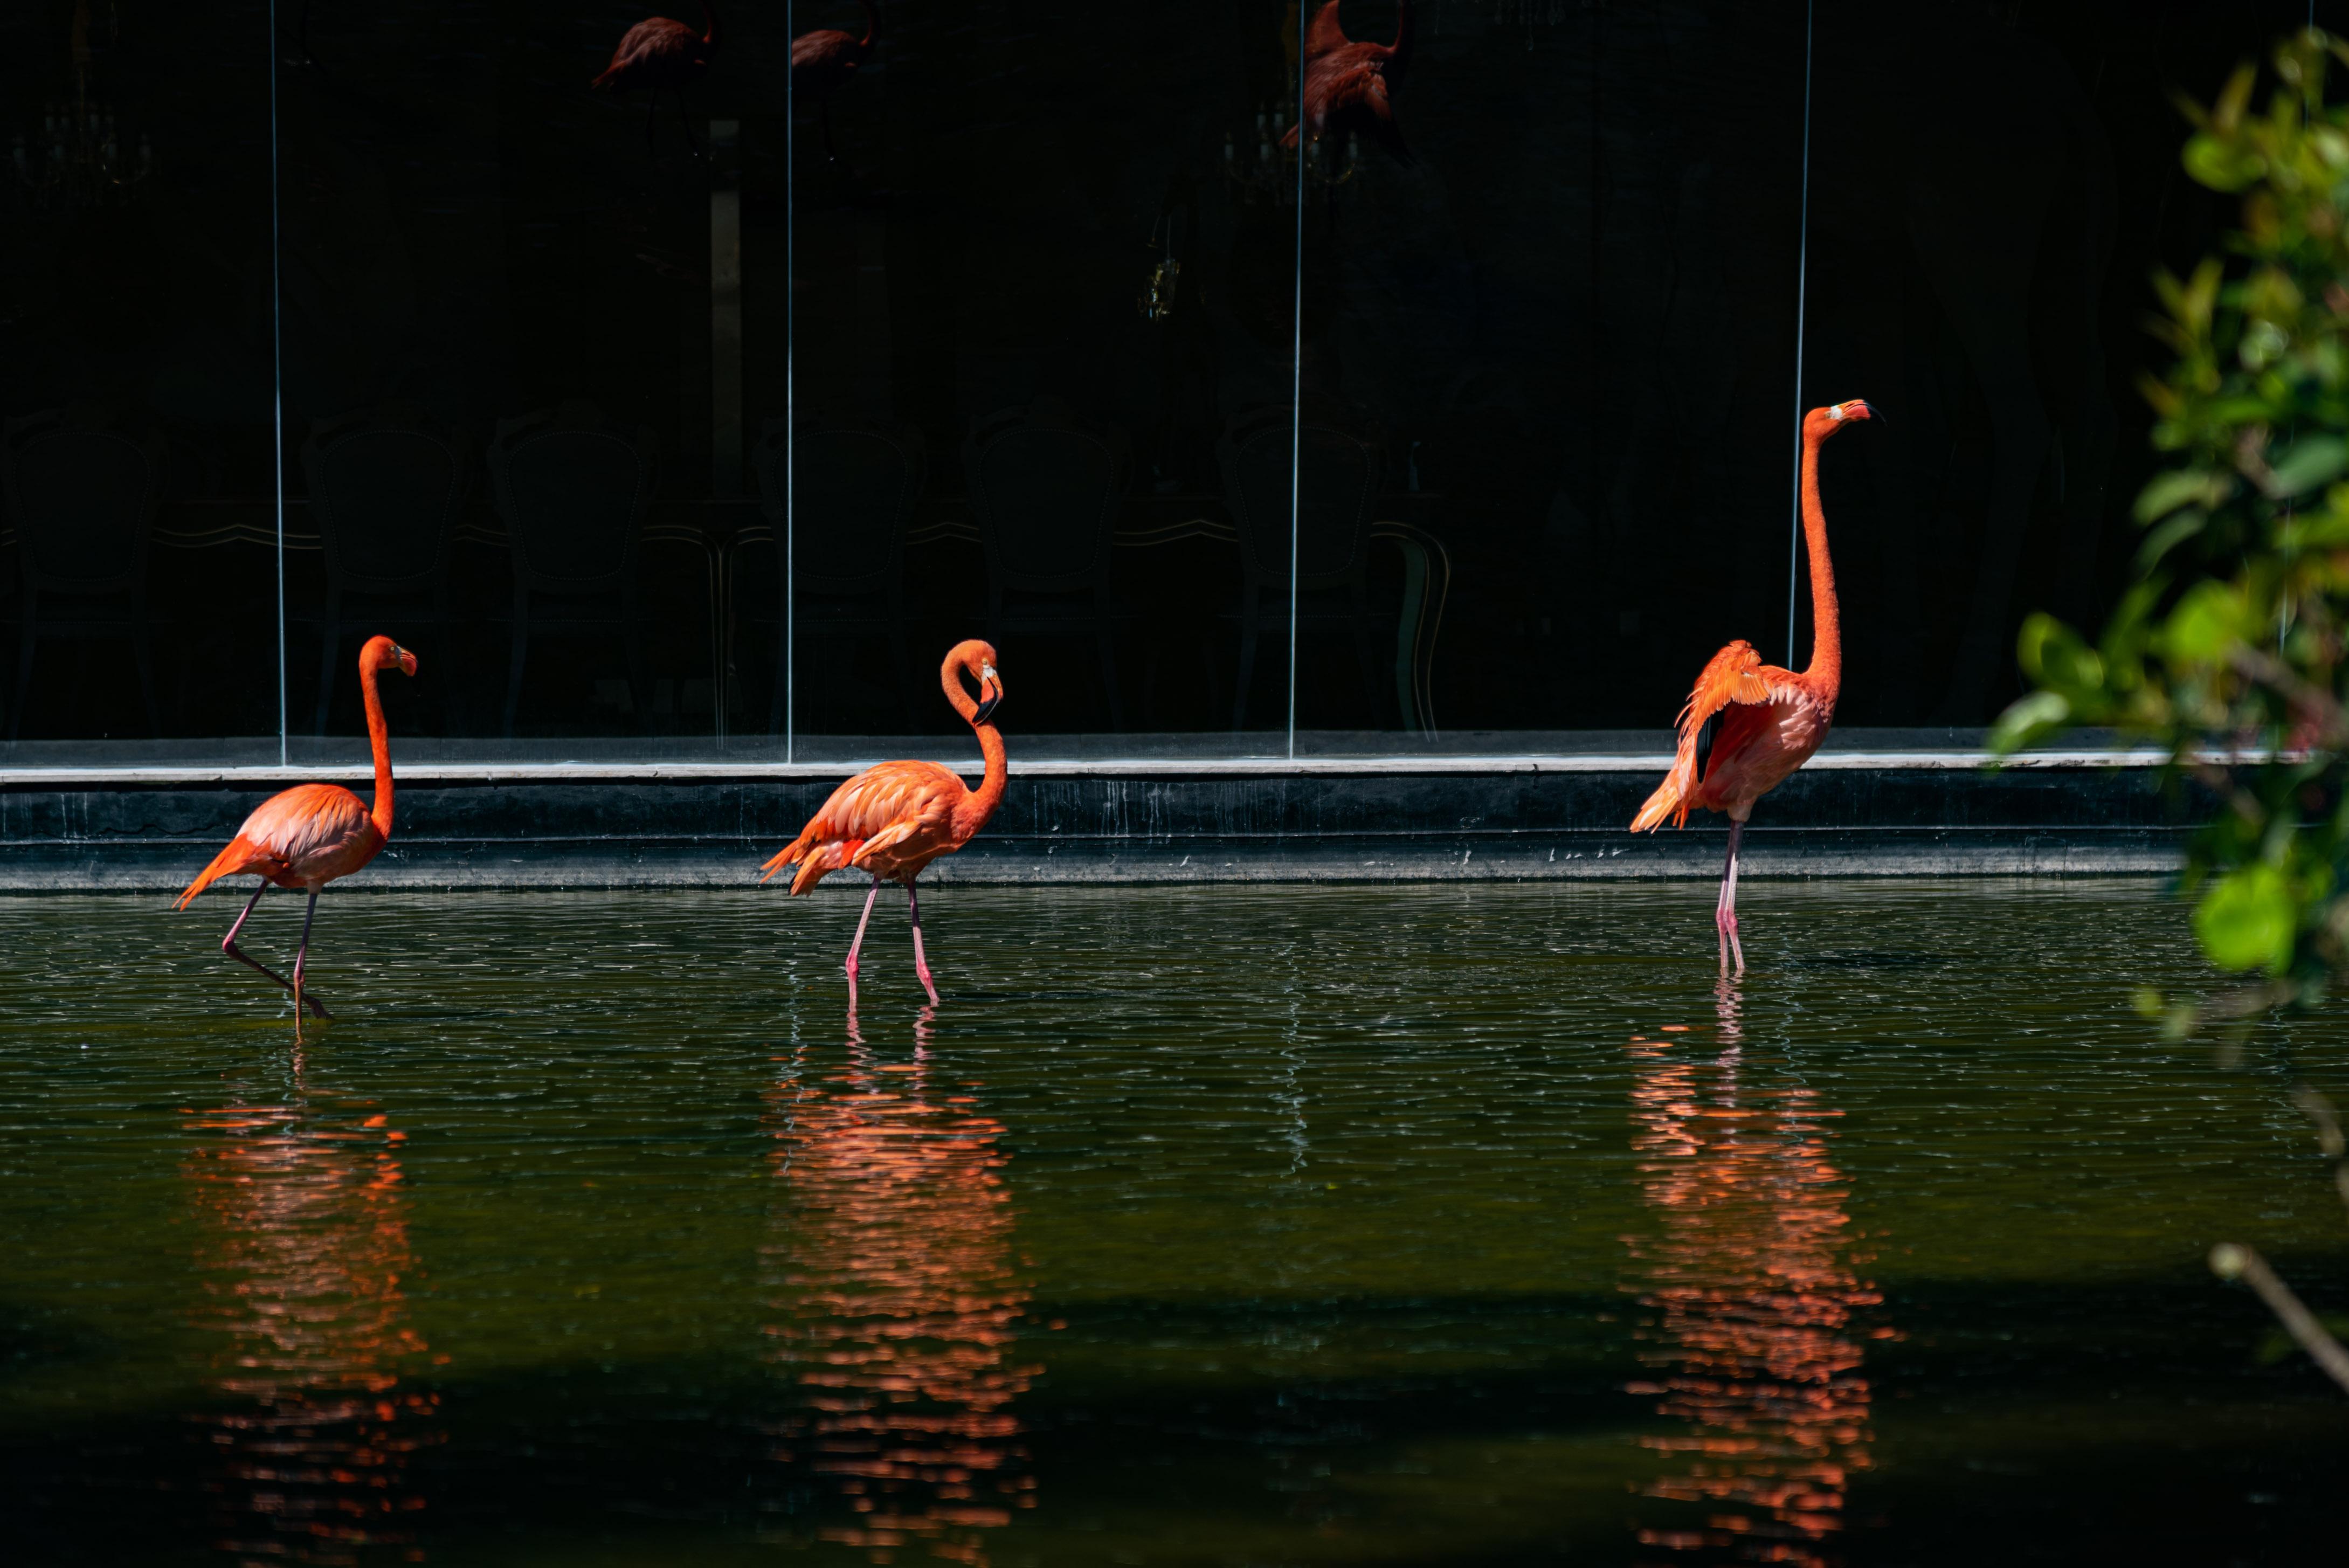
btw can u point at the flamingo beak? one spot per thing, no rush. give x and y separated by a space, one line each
1860 408
990 696
407 660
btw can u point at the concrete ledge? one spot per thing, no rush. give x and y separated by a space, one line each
1413 820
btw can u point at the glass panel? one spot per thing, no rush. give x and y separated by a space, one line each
1550 283
1979 268
1042 259
135 370
515 356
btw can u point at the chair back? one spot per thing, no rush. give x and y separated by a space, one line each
1044 491
572 488
83 496
388 491
1337 480
854 488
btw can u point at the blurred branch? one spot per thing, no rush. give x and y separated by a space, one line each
2229 1260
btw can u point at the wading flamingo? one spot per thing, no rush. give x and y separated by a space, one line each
307 836
895 818
661 51
823 60
1748 724
1347 83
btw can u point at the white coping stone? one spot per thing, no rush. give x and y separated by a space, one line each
1136 768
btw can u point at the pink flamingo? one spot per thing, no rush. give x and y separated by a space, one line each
823 60
661 51
895 818
1748 724
1347 85
307 836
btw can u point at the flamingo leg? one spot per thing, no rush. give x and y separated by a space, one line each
301 961
921 964
859 943
229 946
1724 912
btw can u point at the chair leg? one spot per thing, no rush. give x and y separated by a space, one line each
1371 707
903 659
640 691
142 649
1108 634
24 647
516 660
330 636
1248 605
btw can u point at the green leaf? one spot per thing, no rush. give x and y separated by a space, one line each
2028 720
2054 655
2310 462
2247 920
2207 625
2175 488
2184 526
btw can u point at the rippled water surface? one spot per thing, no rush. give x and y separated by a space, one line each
1216 1226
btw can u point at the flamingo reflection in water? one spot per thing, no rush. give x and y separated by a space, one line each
891 1262
304 1253
1750 1272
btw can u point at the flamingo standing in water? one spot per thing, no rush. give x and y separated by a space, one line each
307 836
1749 725
822 61
1347 85
661 51
895 818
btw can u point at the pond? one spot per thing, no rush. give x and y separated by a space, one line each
1201 1225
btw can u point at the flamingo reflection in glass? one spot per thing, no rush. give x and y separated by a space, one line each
661 51
895 818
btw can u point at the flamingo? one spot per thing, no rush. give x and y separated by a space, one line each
822 61
1346 82
307 836
895 818
1748 724
661 51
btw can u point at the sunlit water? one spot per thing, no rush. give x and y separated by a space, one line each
1207 1225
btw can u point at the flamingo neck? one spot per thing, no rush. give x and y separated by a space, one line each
1403 29
1826 672
710 15
378 738
872 24
980 805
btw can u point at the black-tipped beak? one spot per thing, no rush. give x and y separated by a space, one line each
986 710
1871 410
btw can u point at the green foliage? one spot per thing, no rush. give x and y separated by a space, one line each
2228 648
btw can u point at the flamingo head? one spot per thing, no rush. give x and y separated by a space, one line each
383 654
977 659
1821 423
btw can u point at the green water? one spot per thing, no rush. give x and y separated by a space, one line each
1199 1226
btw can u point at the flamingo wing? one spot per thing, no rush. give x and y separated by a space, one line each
1734 687
873 819
1325 35
312 832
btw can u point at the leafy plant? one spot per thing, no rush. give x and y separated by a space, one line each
2230 649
